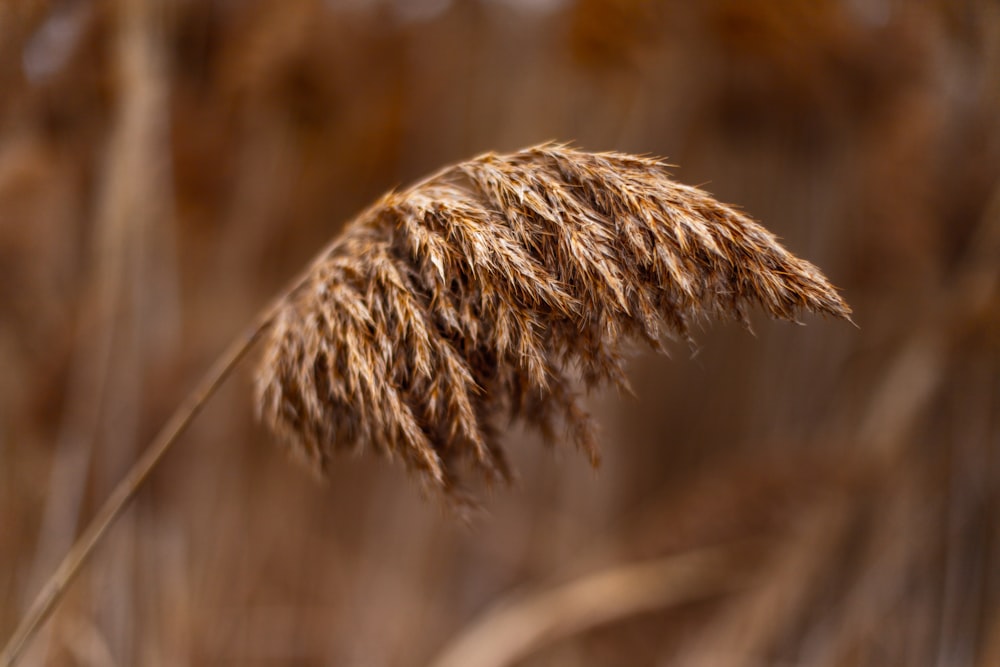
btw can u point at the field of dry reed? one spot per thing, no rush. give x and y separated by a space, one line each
816 495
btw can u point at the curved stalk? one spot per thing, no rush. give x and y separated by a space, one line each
56 585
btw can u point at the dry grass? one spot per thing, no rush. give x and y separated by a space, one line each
864 462
490 288
483 289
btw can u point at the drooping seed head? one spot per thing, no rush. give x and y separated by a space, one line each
497 289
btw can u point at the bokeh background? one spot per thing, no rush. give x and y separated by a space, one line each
818 495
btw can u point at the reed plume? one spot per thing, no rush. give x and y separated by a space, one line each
497 287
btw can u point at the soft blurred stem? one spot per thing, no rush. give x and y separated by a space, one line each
520 625
116 318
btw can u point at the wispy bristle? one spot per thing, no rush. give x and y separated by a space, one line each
494 289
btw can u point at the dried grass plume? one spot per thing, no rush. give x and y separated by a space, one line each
497 287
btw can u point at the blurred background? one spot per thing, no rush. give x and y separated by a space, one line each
818 495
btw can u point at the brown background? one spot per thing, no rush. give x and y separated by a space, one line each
166 166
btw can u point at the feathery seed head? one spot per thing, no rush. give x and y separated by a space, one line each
496 287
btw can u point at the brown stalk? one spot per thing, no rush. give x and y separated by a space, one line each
488 289
55 586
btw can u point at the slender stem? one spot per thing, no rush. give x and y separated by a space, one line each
56 585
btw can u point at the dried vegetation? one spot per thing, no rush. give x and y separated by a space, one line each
486 290
860 463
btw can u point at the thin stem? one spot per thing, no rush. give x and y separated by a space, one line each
56 585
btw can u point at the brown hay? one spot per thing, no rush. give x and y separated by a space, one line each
490 288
